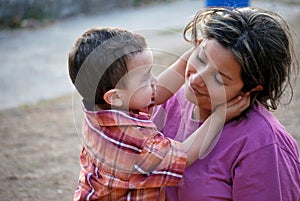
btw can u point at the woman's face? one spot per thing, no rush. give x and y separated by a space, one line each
213 76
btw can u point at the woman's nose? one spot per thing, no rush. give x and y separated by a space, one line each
198 79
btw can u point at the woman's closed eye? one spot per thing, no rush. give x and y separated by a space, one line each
202 55
219 79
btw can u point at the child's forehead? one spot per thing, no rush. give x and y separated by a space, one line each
140 60
140 53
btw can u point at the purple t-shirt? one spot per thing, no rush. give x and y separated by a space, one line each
254 160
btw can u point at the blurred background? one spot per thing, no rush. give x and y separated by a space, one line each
39 123
36 35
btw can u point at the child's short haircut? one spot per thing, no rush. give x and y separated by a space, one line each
98 59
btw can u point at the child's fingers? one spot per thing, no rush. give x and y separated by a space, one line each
234 101
245 102
240 103
187 54
237 105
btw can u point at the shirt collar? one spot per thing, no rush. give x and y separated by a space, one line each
118 118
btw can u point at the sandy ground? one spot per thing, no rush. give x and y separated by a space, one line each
40 147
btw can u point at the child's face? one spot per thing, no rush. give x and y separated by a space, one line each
213 76
140 82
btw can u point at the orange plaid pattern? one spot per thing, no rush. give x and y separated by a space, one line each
124 157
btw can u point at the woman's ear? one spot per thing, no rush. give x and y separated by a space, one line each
112 97
257 88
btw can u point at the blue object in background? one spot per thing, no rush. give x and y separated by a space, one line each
228 3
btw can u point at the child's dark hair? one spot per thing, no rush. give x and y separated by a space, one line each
261 42
98 59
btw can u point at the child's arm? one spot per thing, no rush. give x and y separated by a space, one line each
200 140
171 79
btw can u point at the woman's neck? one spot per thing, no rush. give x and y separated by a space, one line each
200 114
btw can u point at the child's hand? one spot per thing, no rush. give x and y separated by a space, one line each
236 106
186 55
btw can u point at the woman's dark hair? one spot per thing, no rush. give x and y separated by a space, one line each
260 40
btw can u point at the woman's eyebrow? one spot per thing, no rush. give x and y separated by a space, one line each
221 73
204 47
202 52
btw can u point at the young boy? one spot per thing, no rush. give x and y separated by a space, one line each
124 157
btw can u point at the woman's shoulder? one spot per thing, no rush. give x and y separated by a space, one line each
261 119
263 129
259 129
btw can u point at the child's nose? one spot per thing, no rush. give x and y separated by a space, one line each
153 80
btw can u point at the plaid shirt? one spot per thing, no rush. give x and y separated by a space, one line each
124 157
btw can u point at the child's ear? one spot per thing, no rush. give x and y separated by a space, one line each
112 97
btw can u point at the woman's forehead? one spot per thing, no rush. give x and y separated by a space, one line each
221 57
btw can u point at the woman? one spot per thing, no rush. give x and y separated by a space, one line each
238 51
